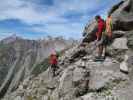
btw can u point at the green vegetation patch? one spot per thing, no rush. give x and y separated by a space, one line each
41 67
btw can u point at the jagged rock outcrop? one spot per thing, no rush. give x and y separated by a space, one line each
20 57
89 32
122 15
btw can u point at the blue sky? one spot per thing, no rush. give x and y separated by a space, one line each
34 19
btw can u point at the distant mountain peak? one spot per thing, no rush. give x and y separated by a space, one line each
11 38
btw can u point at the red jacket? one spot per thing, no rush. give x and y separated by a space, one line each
53 59
101 26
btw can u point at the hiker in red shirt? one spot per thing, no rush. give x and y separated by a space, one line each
101 29
53 62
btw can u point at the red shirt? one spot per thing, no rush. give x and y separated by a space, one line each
53 59
101 26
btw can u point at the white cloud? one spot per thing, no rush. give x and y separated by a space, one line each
50 18
27 12
67 30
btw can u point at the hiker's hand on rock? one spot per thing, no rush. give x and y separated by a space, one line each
95 41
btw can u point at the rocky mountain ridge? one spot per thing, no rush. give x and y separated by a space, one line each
79 77
20 57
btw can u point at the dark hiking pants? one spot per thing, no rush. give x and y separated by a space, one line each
54 68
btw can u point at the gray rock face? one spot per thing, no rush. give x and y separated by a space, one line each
123 19
76 81
123 16
120 43
118 34
89 32
130 39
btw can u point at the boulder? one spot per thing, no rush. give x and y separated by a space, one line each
18 98
89 96
81 80
118 34
78 74
130 39
45 97
120 43
65 85
102 75
124 65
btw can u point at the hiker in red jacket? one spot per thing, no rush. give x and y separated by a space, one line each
53 62
101 29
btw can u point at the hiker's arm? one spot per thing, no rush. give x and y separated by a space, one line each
111 24
111 28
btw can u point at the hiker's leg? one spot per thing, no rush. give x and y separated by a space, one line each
57 70
102 47
57 67
104 43
100 50
53 69
104 51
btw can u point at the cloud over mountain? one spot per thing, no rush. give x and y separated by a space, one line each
37 18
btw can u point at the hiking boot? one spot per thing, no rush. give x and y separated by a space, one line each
103 57
98 58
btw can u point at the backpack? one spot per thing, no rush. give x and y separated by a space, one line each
104 27
109 26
